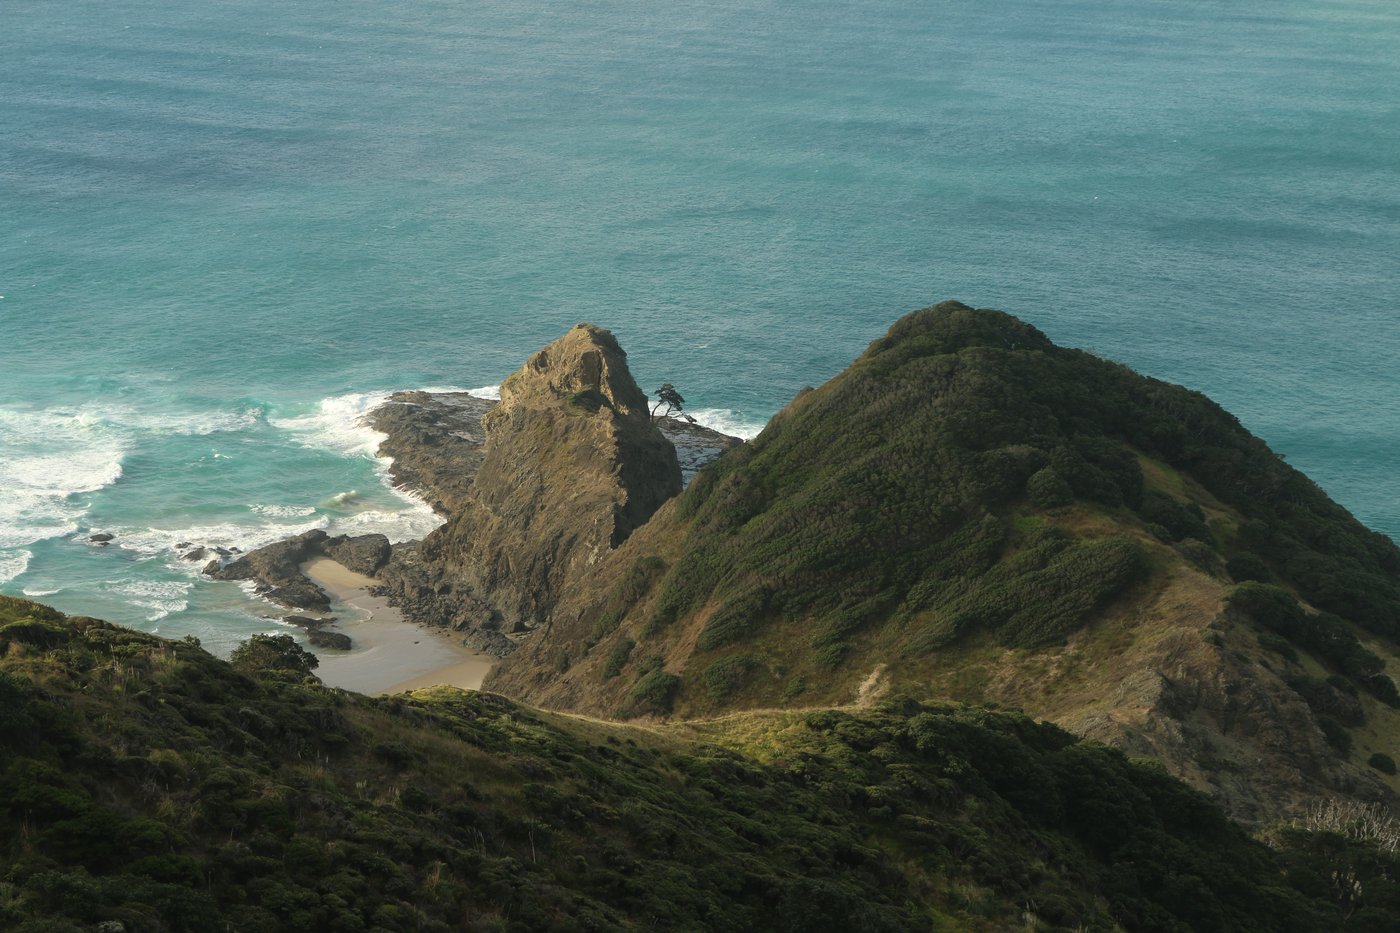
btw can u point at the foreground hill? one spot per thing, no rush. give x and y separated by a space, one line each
148 786
972 513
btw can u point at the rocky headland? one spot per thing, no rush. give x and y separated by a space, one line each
536 488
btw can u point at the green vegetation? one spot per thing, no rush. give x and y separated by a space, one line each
617 658
147 783
1324 634
1382 763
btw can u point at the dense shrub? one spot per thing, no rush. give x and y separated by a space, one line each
1382 762
1324 634
725 676
1245 567
654 692
273 653
874 508
1047 489
617 658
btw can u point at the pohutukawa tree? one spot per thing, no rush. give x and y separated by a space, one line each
667 396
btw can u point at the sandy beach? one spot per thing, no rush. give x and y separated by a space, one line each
389 655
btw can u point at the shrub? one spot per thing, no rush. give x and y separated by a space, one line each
655 692
1181 520
1336 735
1047 489
1244 567
726 675
1382 763
617 658
272 653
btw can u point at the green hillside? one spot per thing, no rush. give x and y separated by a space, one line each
970 512
150 784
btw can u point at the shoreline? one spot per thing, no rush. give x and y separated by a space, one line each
390 655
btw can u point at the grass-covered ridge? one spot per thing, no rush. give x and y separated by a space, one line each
886 495
148 783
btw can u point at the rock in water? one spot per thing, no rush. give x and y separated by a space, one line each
572 466
436 441
277 571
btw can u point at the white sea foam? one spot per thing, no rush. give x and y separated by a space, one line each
175 423
400 525
284 511
36 593
491 393
47 459
728 421
161 597
161 542
14 563
340 424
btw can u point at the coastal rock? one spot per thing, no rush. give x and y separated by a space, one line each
572 464
101 538
696 445
276 570
320 638
437 442
308 622
198 553
363 554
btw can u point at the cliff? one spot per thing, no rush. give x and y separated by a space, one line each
571 465
972 513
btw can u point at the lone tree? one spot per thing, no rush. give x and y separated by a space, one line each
668 396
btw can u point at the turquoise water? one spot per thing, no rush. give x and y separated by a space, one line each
228 228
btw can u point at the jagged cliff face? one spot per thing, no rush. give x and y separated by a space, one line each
971 512
572 465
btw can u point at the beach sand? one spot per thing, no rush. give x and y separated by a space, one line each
390 655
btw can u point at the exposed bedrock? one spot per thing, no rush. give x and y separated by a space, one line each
572 464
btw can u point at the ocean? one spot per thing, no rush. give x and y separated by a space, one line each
227 230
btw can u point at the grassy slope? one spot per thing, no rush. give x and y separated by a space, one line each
973 512
147 782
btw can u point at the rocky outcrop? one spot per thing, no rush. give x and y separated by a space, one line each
276 568
337 641
572 464
276 571
363 554
696 445
437 442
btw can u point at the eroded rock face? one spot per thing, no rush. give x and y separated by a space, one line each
571 466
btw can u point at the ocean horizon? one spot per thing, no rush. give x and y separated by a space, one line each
232 231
